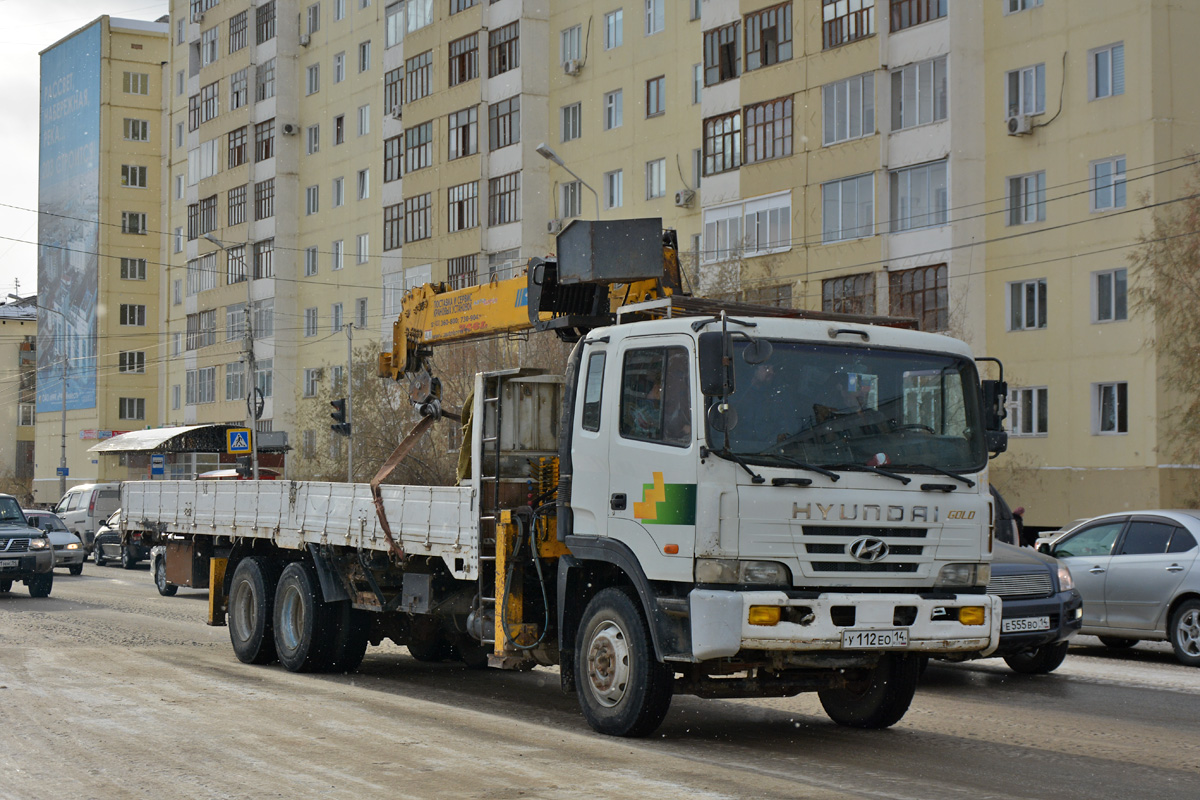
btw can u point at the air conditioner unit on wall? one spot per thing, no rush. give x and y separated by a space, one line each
684 198
305 40
572 66
289 129
198 17
397 111
1019 125
554 227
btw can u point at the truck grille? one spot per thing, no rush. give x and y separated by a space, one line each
15 546
899 541
1033 584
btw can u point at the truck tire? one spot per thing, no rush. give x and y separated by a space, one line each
128 559
880 699
251 605
1117 643
303 621
623 689
1185 633
431 649
41 584
350 629
5 585
1039 661
160 578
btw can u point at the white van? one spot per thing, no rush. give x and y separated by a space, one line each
84 508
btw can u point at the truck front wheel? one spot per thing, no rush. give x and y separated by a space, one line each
251 607
623 689
880 698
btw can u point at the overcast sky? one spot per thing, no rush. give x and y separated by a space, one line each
27 27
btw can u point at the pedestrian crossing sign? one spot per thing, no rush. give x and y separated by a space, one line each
237 441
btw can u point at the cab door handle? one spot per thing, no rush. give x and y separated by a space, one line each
617 502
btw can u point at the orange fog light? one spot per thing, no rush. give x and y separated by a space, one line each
764 615
971 615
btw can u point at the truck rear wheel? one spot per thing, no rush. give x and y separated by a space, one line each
303 621
880 698
350 629
41 584
251 607
1040 661
623 689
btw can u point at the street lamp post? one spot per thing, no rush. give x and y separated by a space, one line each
62 459
544 150
251 367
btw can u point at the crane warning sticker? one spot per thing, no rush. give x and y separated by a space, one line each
666 503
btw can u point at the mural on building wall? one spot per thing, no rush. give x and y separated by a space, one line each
68 224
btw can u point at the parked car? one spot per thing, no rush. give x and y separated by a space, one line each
26 554
1050 537
1041 609
85 507
109 547
1138 577
68 550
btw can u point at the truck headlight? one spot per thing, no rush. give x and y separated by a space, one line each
1065 582
964 575
39 544
731 570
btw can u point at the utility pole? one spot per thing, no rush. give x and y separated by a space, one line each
349 402
251 367
62 459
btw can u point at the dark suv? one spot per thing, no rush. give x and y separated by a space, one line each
25 552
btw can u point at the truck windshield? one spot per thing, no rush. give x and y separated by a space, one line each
831 406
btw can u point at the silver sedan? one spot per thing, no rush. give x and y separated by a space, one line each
1139 578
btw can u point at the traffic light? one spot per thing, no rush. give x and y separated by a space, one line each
245 467
340 425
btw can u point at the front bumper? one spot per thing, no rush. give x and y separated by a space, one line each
720 626
17 566
69 558
1064 609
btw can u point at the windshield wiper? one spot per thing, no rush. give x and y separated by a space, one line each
735 458
864 468
940 471
798 464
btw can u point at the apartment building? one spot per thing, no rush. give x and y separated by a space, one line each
100 256
18 388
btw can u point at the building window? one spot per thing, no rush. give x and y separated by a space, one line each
571 199
722 143
848 109
202 274
420 14
335 317
201 329
656 178
1110 291
339 192
907 13
364 184
919 94
697 83
463 133
1027 305
768 225
131 361
393 29
235 322
393 149
848 209
339 129
614 189
210 101
1108 184
614 29
722 54
572 127
1111 408
460 5
464 59
570 40
614 113
1025 90
313 144
235 381
416 76
919 197
655 16
769 36
193 112
1027 198
393 90
504 199
312 200
656 101
504 123
1028 413
360 312
264 140
364 119
312 378
339 67
1106 71
133 269
264 81
132 408
462 272
235 263
237 31
136 130
923 294
239 89
133 222
133 176
504 49
264 318
364 56
850 294
336 255
264 259
312 83
135 83
237 147
844 21
264 27
418 147
1013 6
779 296
209 45
417 218
314 18
311 325
768 128
178 239
132 315
264 374
310 261
264 199
463 201
393 227
237 205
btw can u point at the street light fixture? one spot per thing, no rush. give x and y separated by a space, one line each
62 459
544 150
251 367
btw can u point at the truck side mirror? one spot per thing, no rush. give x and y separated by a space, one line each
716 376
995 394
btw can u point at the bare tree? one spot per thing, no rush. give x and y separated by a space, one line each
20 488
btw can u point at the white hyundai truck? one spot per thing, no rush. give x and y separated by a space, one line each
710 500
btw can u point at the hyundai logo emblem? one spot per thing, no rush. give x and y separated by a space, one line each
868 549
